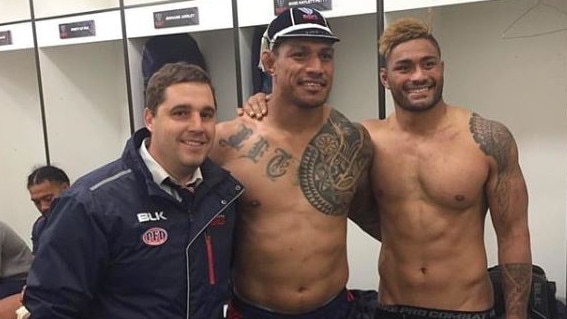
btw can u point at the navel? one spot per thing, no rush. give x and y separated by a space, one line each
254 203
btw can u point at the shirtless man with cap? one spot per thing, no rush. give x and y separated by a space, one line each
301 169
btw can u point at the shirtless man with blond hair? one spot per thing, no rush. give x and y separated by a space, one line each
437 170
301 168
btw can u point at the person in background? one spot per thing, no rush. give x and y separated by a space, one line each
150 234
303 168
44 184
15 262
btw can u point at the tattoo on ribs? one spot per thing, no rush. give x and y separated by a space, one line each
235 141
493 138
332 164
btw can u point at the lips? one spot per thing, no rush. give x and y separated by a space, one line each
194 143
313 84
419 91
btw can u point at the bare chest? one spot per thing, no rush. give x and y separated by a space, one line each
449 173
320 172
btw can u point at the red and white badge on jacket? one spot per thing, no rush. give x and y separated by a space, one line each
155 236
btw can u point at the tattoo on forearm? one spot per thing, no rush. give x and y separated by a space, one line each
235 141
516 283
332 164
277 166
493 138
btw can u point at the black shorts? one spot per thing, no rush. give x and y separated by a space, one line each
339 307
10 287
409 312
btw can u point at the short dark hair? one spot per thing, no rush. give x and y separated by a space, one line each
173 73
47 173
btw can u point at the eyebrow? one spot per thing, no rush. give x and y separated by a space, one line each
426 58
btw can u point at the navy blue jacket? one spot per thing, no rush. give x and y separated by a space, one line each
116 246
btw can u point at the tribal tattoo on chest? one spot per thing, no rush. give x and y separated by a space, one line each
333 163
330 168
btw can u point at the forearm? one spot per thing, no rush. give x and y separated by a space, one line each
516 265
516 283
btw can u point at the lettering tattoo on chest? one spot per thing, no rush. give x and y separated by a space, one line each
277 166
331 166
257 150
236 141
493 138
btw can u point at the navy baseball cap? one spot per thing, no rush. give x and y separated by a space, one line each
299 23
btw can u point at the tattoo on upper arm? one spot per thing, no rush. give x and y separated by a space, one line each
235 141
493 138
333 163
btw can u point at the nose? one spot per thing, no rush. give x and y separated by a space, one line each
195 122
418 74
44 206
315 65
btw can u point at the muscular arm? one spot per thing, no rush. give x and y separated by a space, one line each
364 211
508 201
9 305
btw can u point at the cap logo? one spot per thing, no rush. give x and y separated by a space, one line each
305 10
155 236
309 14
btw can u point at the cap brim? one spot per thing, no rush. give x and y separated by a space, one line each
309 33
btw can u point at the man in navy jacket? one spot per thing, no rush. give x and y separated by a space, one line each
126 241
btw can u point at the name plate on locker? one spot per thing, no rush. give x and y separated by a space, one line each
176 18
321 5
5 37
77 29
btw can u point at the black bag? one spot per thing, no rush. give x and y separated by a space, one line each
170 48
542 301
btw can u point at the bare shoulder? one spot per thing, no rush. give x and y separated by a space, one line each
229 138
337 119
373 124
493 138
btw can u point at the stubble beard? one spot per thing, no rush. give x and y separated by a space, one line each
401 101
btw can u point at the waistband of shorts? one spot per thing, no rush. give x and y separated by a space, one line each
246 306
411 312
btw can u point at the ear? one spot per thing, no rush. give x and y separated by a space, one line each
267 59
148 119
384 77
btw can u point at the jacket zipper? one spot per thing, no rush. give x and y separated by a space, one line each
210 258
191 242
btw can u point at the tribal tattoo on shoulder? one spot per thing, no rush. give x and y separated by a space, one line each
493 138
333 163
